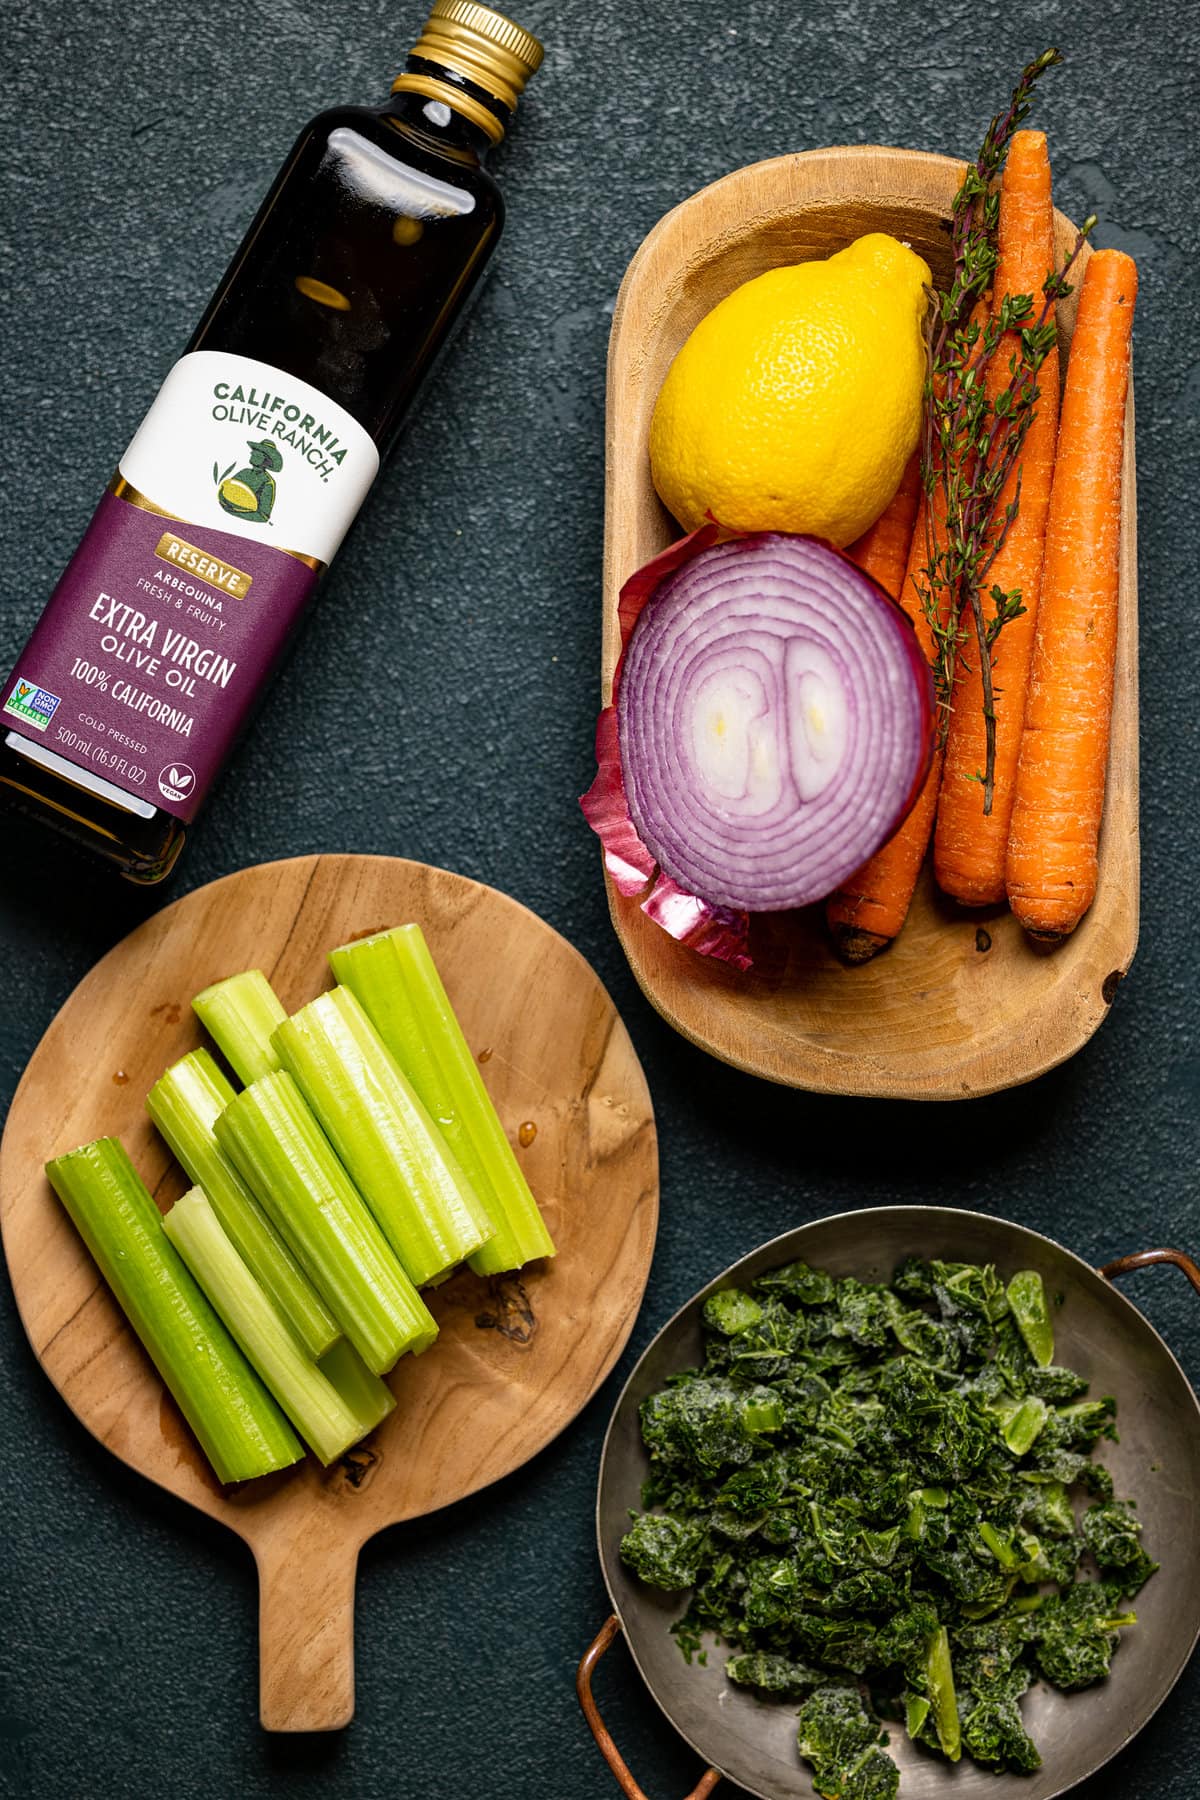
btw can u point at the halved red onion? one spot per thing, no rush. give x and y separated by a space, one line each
720 931
709 930
772 725
774 721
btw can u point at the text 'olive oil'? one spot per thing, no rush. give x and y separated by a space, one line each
251 464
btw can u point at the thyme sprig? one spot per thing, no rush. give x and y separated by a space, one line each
972 438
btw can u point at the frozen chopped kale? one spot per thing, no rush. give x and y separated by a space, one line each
1112 1532
781 1677
663 1551
1055 1384
731 1311
1071 1467
704 1425
993 1733
883 1500
1046 1509
797 1285
1081 1425
1079 1629
837 1735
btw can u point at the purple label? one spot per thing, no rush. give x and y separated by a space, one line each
148 659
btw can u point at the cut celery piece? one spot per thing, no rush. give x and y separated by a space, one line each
240 1428
316 1408
284 1157
391 1148
393 976
185 1103
240 1013
369 1398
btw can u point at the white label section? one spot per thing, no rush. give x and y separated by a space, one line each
236 444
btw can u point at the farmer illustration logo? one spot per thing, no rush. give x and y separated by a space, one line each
250 494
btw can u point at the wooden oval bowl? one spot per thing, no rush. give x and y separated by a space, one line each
517 1356
963 1003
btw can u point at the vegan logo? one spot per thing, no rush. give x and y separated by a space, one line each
32 703
176 781
250 494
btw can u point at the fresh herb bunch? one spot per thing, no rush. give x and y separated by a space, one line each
972 439
868 1489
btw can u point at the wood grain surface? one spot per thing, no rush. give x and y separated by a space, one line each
963 1003
517 1356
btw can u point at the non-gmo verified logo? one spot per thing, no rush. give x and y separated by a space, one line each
32 703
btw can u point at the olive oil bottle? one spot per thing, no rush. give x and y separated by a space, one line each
259 450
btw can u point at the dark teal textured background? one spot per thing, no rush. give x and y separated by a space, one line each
440 706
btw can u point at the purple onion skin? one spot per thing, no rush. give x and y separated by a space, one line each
774 717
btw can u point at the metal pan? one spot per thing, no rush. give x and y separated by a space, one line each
1156 1462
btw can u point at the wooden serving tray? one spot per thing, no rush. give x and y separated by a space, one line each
963 1003
517 1356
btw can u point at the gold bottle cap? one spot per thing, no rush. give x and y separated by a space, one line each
483 47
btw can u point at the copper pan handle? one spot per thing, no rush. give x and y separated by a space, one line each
1142 1259
600 1731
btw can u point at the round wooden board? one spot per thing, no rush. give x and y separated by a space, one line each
517 1356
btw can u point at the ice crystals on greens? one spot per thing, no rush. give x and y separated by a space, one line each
882 1499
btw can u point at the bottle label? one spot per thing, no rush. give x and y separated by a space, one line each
233 496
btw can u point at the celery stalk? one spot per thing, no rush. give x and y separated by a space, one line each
309 1398
240 1428
369 1398
393 976
240 1013
390 1146
285 1159
185 1104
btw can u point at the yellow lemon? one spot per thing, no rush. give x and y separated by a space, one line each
796 402
238 494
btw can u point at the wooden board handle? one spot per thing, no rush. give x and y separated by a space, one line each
305 1638
600 1731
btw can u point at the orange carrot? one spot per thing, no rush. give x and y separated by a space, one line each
1052 860
882 551
869 910
970 845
